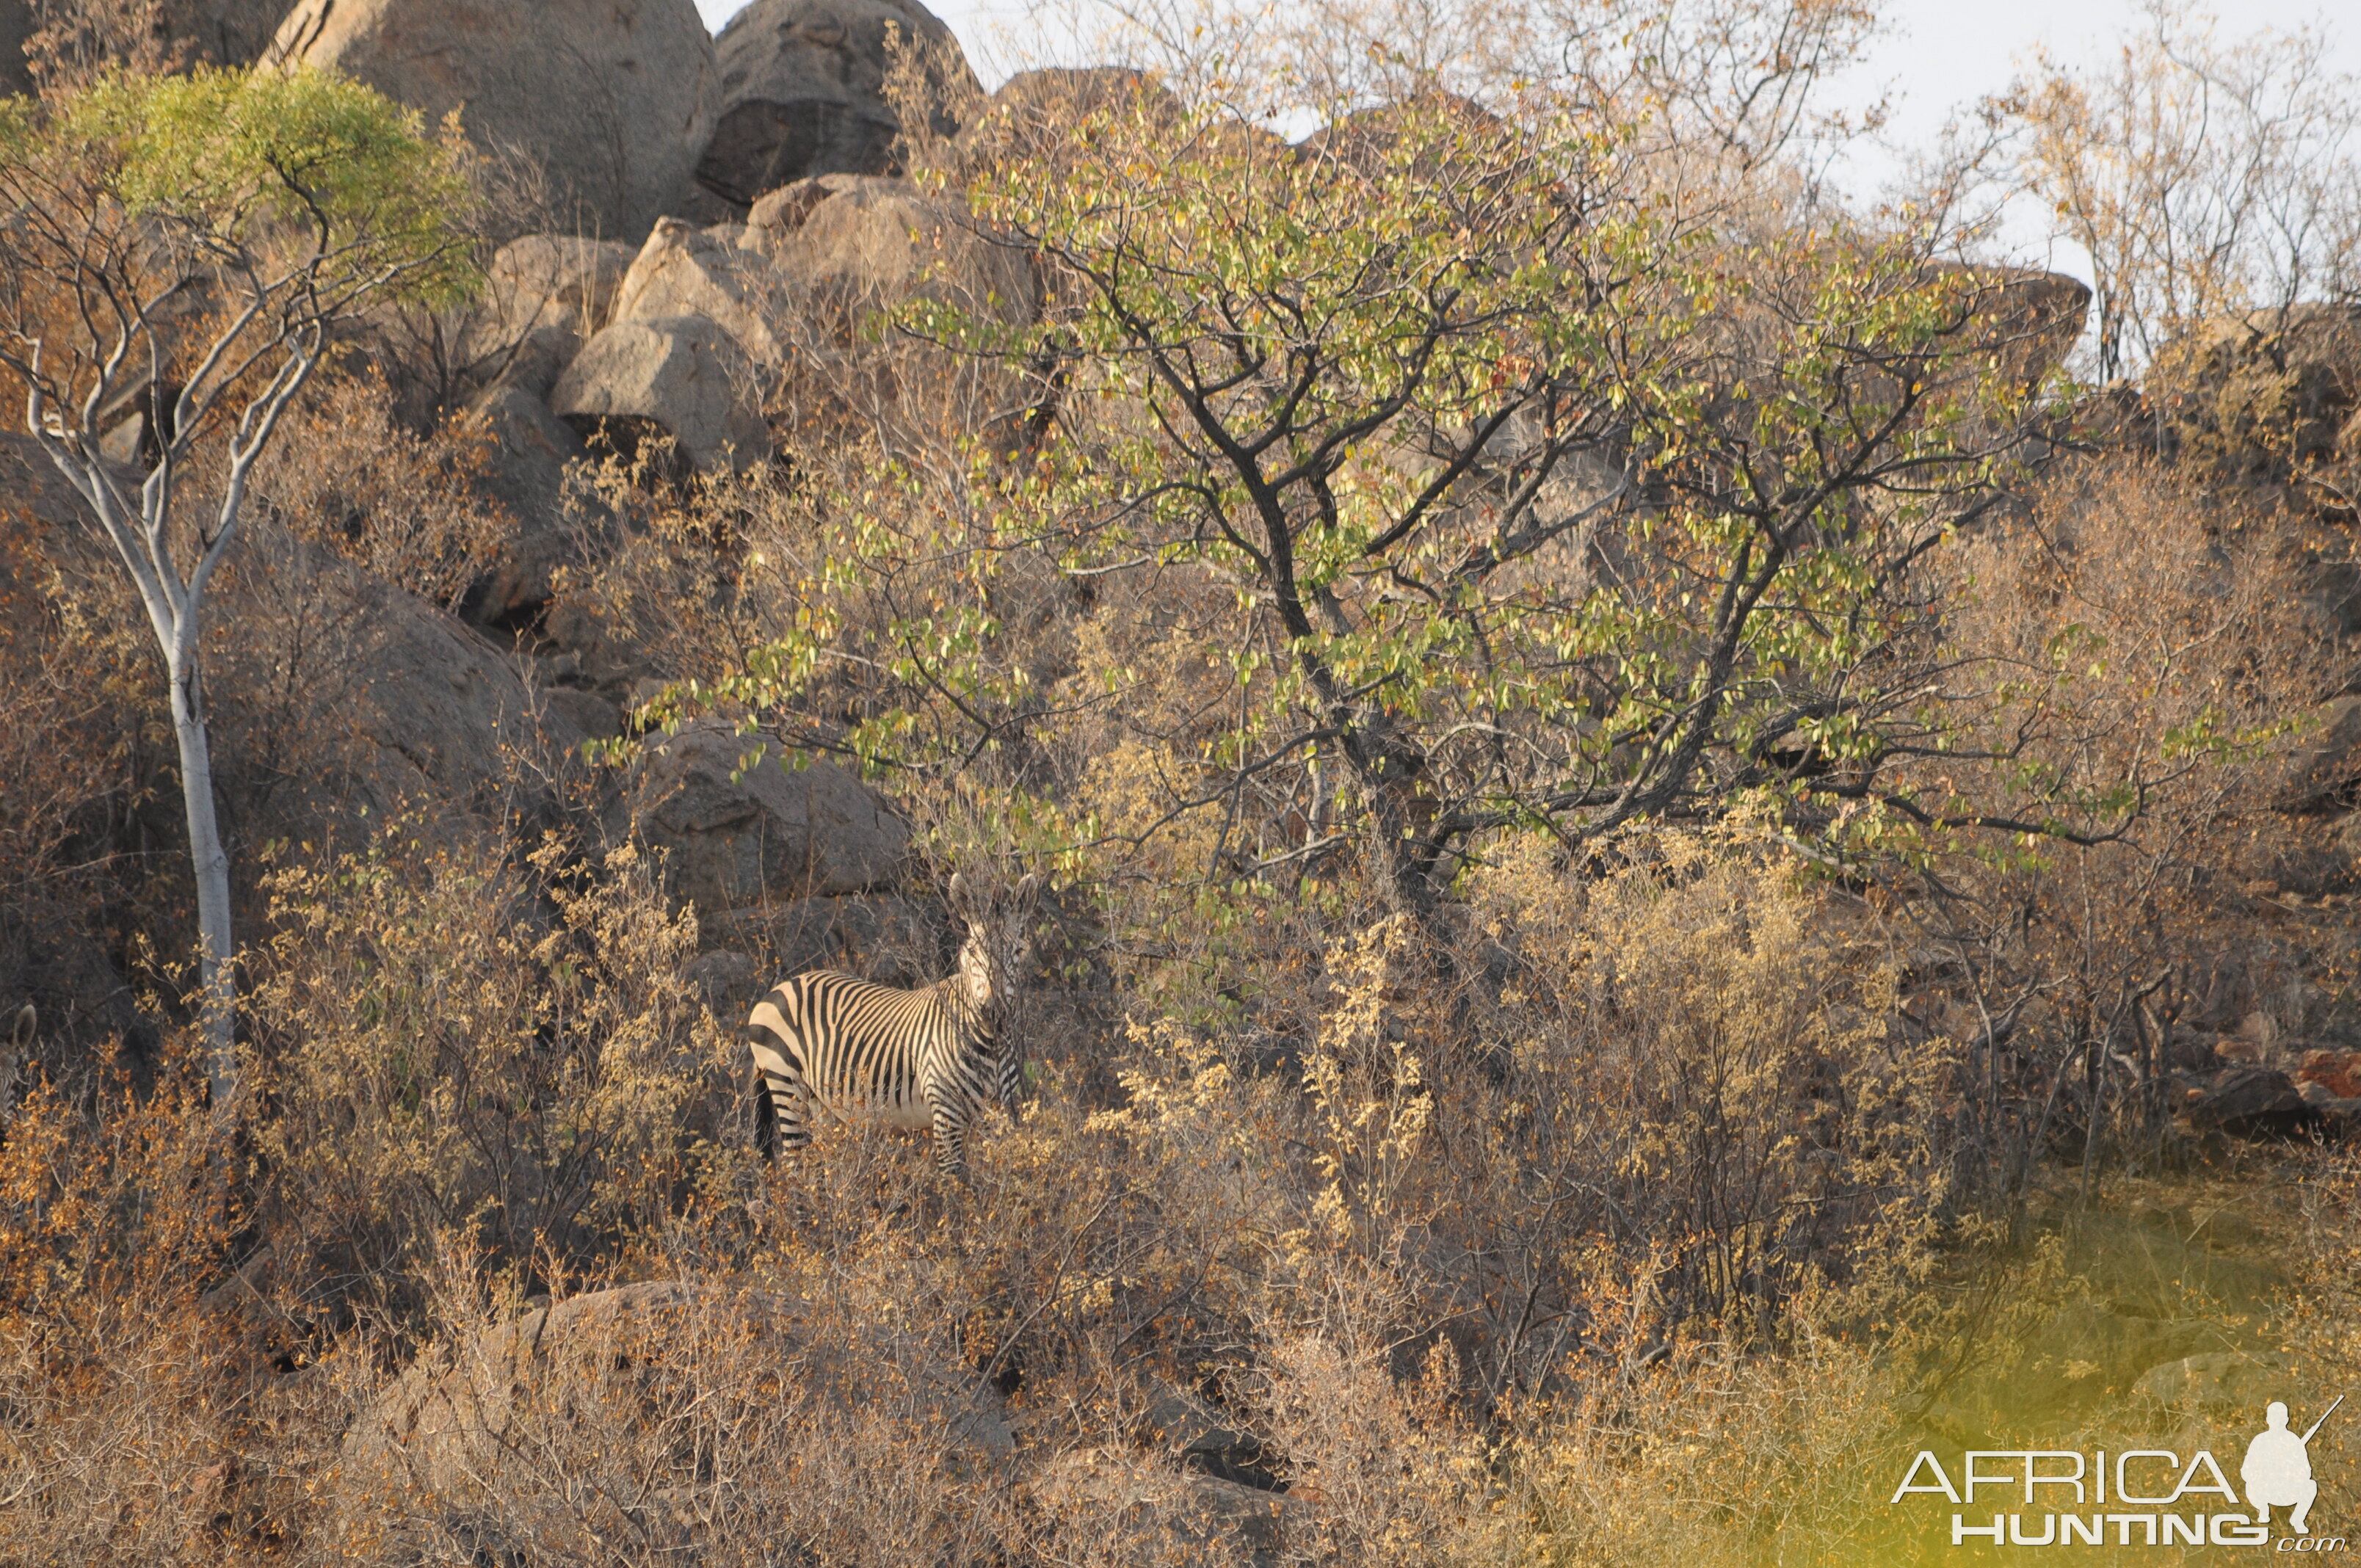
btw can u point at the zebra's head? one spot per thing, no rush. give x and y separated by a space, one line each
999 945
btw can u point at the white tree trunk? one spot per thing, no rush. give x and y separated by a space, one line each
141 534
210 861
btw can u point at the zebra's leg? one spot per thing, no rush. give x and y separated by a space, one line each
950 1138
766 1120
784 1119
1011 1075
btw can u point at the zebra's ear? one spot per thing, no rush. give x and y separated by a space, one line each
956 896
27 1020
1028 889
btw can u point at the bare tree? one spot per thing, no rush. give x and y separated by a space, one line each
2201 175
174 256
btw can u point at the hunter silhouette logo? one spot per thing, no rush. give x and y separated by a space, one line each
2141 1497
2278 1471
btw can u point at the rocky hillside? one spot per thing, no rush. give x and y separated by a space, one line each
1674 862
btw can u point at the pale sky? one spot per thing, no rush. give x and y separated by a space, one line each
1942 51
1937 55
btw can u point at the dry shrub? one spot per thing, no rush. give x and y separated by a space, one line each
68 761
1713 1454
2135 663
436 1055
682 588
409 509
2131 634
1374 1250
89 875
75 43
1707 1042
144 1421
637 1426
1384 1474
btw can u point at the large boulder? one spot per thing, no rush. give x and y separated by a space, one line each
1034 115
741 831
686 271
868 244
2027 317
2269 403
863 245
609 101
2337 1074
1058 97
218 32
530 450
2247 1102
883 936
347 692
684 375
552 279
802 91
16 30
1449 133
221 32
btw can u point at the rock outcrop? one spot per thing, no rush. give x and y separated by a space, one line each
347 692
684 375
16 31
868 244
802 91
531 448
685 271
741 831
551 280
1057 97
2268 403
216 32
881 936
2247 1102
611 104
223 32
2030 318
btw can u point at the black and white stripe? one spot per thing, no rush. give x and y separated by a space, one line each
863 1052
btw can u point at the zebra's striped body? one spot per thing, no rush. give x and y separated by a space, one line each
865 1052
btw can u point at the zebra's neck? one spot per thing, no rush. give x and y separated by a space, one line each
975 1022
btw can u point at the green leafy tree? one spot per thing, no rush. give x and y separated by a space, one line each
1535 498
175 254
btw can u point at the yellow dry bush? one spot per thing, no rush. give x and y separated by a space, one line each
435 1059
1713 1454
1132 790
1705 1038
146 1421
409 508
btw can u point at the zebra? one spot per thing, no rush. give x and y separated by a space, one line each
865 1052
